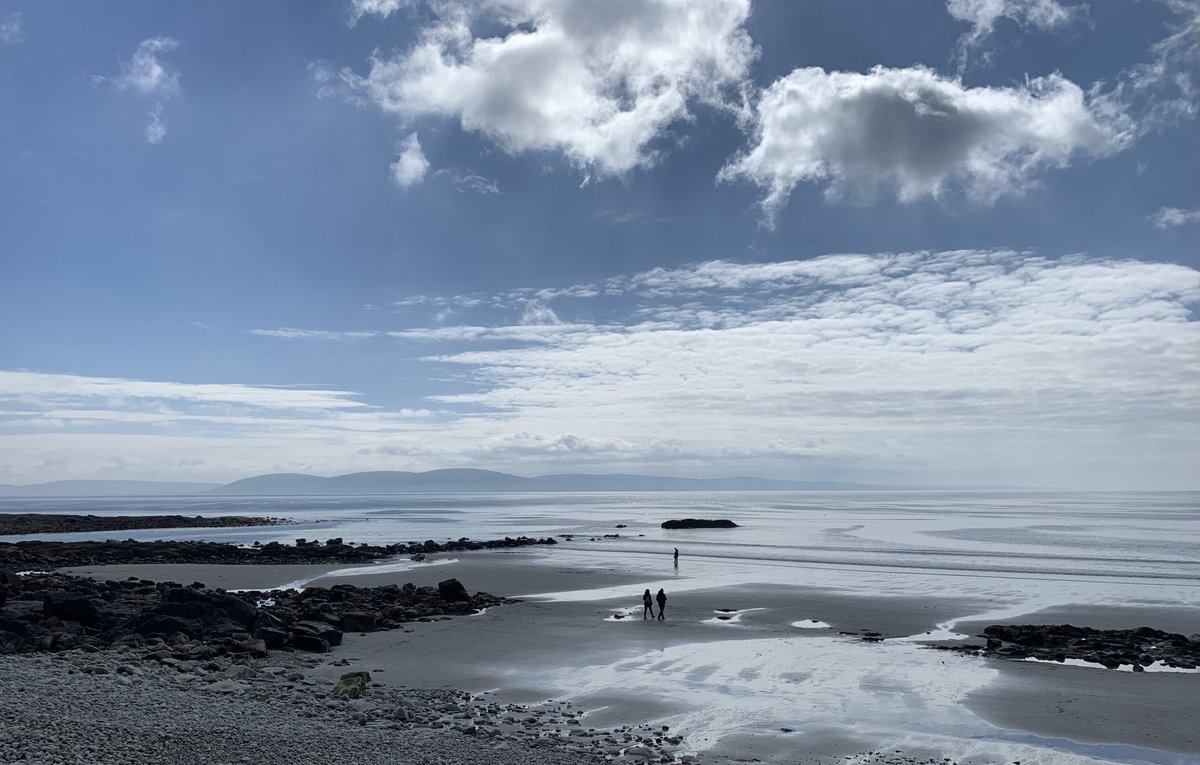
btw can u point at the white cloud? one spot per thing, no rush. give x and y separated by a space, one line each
12 28
381 8
149 76
290 333
467 182
982 15
535 313
1169 217
599 83
917 133
146 73
477 184
156 128
966 366
954 360
410 166
48 389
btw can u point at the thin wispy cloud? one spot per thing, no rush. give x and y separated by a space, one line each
380 8
983 15
12 28
151 76
1171 217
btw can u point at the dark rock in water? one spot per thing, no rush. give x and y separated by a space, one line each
452 591
70 606
700 523
51 555
1110 648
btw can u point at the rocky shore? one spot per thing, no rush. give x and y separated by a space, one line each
178 672
45 523
41 555
56 612
1138 648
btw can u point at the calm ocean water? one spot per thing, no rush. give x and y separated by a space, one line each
1123 535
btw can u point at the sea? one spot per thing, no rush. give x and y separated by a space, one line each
1012 553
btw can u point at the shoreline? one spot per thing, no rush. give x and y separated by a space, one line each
544 649
21 524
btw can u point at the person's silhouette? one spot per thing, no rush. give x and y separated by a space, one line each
676 555
647 603
661 597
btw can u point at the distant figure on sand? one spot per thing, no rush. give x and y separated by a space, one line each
647 603
661 597
676 554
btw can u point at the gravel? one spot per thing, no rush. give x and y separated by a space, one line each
111 709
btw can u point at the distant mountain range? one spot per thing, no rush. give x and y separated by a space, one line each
443 481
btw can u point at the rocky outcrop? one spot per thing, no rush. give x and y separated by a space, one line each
452 591
22 556
56 612
1139 647
44 523
700 523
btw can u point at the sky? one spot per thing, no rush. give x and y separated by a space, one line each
937 241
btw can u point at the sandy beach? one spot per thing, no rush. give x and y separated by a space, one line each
845 673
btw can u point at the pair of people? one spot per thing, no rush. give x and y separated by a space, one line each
648 603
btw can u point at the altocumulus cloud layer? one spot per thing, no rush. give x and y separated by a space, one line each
971 366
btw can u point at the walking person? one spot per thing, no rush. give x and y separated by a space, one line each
647 604
661 597
676 556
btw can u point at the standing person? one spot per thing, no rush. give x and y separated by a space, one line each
647 603
661 597
677 555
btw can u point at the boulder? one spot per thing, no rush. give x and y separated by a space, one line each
306 642
352 685
271 637
330 634
234 608
70 606
359 621
452 591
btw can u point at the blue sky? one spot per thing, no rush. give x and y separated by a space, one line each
945 241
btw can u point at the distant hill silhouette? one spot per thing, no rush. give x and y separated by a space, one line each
467 480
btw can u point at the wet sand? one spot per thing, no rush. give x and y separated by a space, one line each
541 649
